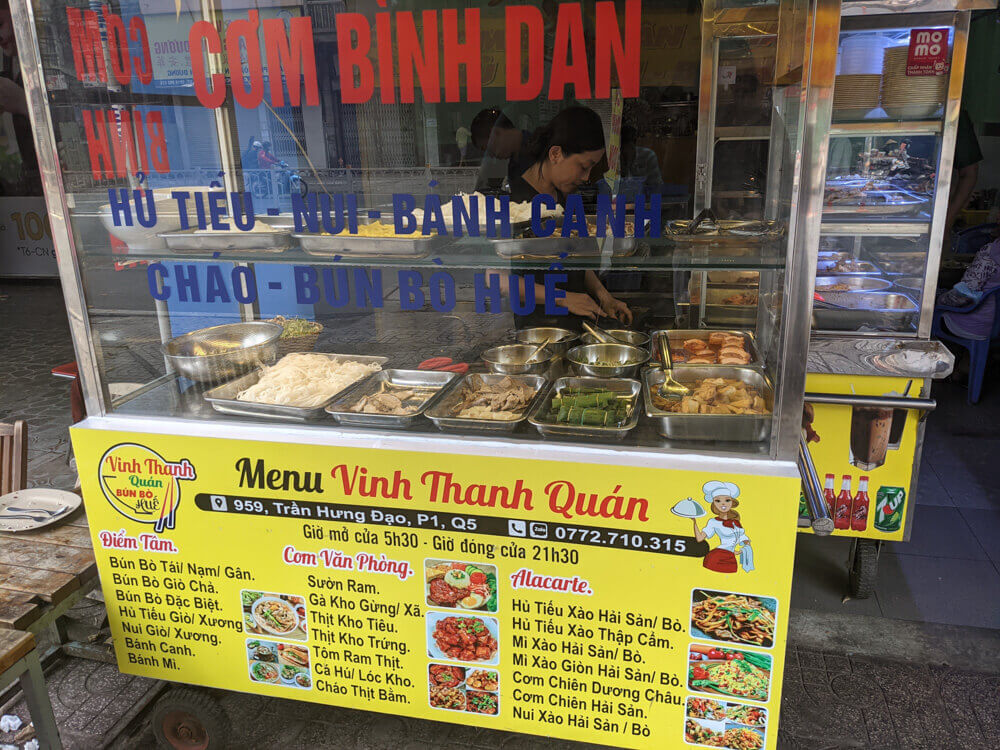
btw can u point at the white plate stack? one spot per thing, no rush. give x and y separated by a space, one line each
861 54
909 97
855 95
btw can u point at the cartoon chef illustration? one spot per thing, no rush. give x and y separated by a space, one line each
722 499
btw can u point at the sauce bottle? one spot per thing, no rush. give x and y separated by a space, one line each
829 495
842 511
859 510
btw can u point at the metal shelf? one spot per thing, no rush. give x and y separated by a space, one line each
886 127
878 228
900 7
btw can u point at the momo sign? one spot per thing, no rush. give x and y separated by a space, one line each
928 53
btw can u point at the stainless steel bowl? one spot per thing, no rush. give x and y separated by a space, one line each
854 283
510 359
211 355
563 339
632 338
628 358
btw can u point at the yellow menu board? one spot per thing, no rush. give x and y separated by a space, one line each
629 606
864 454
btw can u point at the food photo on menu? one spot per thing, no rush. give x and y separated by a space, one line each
461 585
473 640
722 734
728 672
466 689
733 617
266 614
273 663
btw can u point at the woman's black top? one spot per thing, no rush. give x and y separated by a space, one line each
521 191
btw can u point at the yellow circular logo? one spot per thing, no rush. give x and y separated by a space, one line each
142 485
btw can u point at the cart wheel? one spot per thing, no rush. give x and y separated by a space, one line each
187 719
864 568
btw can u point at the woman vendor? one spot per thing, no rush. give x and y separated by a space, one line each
561 156
722 498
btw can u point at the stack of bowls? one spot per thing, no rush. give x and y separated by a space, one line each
855 95
909 97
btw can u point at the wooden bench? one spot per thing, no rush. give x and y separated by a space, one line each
19 661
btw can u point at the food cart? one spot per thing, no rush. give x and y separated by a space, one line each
319 462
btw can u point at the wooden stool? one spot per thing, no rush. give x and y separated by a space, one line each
19 661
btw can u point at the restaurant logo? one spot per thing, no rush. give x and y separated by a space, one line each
142 485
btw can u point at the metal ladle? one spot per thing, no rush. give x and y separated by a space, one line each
538 351
669 388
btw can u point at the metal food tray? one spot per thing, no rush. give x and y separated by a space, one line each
896 262
725 232
340 409
223 397
200 241
621 385
893 202
329 245
440 414
743 428
677 336
884 310
828 268
856 284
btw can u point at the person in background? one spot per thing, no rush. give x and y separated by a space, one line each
265 159
965 172
249 158
502 144
639 168
981 277
13 102
562 155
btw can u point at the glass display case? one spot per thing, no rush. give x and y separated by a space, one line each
187 198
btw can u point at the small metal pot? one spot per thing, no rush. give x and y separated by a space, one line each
563 339
212 355
629 359
510 359
632 338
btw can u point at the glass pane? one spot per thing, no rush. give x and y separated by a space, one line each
330 186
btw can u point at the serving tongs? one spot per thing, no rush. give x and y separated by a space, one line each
600 334
534 354
706 214
670 388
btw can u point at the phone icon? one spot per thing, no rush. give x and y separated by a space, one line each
538 530
517 528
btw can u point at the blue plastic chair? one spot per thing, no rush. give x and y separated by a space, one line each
979 350
971 239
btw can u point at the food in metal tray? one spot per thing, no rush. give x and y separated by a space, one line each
305 380
743 298
592 407
833 288
501 401
398 401
720 349
296 327
851 265
377 229
715 396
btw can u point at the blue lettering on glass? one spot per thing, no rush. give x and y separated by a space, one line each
244 285
468 215
553 293
651 215
306 288
403 220
411 296
243 214
522 294
434 222
120 207
217 211
156 275
215 285
607 211
501 213
575 218
539 227
181 196
486 289
337 287
368 289
199 210
442 291
186 277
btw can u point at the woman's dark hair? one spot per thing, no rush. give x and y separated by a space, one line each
574 130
